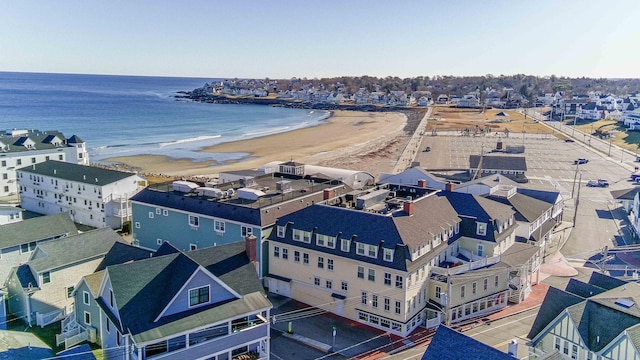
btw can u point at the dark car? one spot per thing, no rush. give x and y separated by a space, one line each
427 149
581 161
569 140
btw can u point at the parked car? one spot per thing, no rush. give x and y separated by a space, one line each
635 177
580 161
427 149
603 183
569 140
592 183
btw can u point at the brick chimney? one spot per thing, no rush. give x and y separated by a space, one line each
449 187
328 194
250 248
408 207
422 183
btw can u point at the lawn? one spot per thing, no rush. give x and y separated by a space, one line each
629 140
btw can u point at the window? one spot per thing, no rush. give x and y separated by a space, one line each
281 231
46 277
320 262
496 280
296 256
557 343
374 301
108 325
485 284
305 259
328 284
360 249
438 292
4 162
371 276
193 247
33 160
325 241
399 281
344 245
388 255
398 307
159 241
164 212
285 253
69 291
218 225
373 251
387 279
481 229
316 281
87 318
137 225
363 298
19 162
111 299
565 348
193 220
199 296
246 231
462 291
25 248
85 298
276 251
480 250
330 264
387 304
474 288
304 236
344 286
158 211
360 272
574 351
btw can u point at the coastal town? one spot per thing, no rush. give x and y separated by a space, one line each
485 224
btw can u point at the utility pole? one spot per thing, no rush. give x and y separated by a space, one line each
575 176
575 211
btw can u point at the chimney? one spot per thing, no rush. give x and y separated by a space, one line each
250 248
328 194
449 187
408 207
422 183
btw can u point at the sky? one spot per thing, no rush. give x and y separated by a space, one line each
327 38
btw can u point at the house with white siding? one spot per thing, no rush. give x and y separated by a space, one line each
92 196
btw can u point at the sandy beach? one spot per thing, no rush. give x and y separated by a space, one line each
367 141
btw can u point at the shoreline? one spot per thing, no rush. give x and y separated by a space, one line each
342 138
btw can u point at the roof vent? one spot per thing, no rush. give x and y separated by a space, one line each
625 303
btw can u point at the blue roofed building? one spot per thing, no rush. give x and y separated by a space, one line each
448 344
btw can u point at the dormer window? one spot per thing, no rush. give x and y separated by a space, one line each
388 255
345 245
281 231
199 296
481 229
360 249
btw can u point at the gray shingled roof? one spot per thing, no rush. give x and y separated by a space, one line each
36 229
605 281
161 277
519 253
69 250
41 140
554 303
527 207
625 194
583 289
78 173
498 162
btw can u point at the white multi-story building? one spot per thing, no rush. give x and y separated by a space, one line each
20 148
93 196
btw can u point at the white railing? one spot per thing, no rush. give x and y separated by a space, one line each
75 340
460 269
43 320
431 323
469 255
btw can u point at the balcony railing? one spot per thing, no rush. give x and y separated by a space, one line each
461 269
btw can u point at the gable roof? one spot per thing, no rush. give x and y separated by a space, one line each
519 253
498 162
73 249
161 277
549 197
583 289
36 229
121 253
79 173
483 209
554 303
605 281
448 344
625 194
527 207
489 180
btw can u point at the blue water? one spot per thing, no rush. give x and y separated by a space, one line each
132 115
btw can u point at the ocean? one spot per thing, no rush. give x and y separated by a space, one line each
133 115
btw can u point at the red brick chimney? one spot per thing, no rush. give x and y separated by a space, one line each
408 207
422 183
328 194
250 248
449 187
